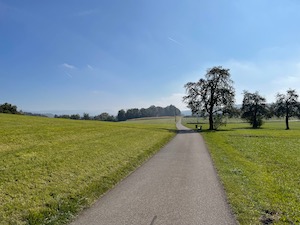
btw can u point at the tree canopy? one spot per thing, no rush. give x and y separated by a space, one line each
287 106
254 108
211 95
8 108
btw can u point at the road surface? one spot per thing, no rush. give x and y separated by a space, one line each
178 185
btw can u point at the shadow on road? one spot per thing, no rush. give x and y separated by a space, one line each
186 131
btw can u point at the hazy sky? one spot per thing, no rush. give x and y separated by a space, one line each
105 55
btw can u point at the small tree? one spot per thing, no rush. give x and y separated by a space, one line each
8 108
254 108
287 106
211 95
86 116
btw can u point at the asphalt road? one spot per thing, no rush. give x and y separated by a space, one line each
178 185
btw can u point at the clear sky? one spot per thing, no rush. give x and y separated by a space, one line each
105 55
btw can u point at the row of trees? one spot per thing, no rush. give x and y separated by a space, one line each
102 117
152 111
12 109
213 96
255 108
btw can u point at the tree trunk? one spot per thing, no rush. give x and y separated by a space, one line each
211 122
287 119
255 118
211 109
287 123
254 123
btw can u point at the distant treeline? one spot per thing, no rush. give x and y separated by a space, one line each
152 111
102 117
33 114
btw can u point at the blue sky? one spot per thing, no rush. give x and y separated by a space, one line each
100 55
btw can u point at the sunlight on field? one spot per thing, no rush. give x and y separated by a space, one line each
154 120
51 168
259 169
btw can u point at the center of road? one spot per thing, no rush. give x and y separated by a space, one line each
178 185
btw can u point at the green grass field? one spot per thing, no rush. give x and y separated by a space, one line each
260 170
154 120
52 168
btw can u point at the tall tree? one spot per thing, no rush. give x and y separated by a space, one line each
212 94
152 110
254 108
287 106
132 113
144 112
121 115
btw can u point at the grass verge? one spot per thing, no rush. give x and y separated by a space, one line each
50 169
259 169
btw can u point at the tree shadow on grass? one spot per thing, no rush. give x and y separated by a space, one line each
247 128
207 130
214 131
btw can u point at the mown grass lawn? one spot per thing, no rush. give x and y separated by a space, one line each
154 120
52 168
260 170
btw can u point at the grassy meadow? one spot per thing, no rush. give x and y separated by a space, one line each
259 168
52 168
154 120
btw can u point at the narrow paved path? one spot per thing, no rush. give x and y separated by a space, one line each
178 185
